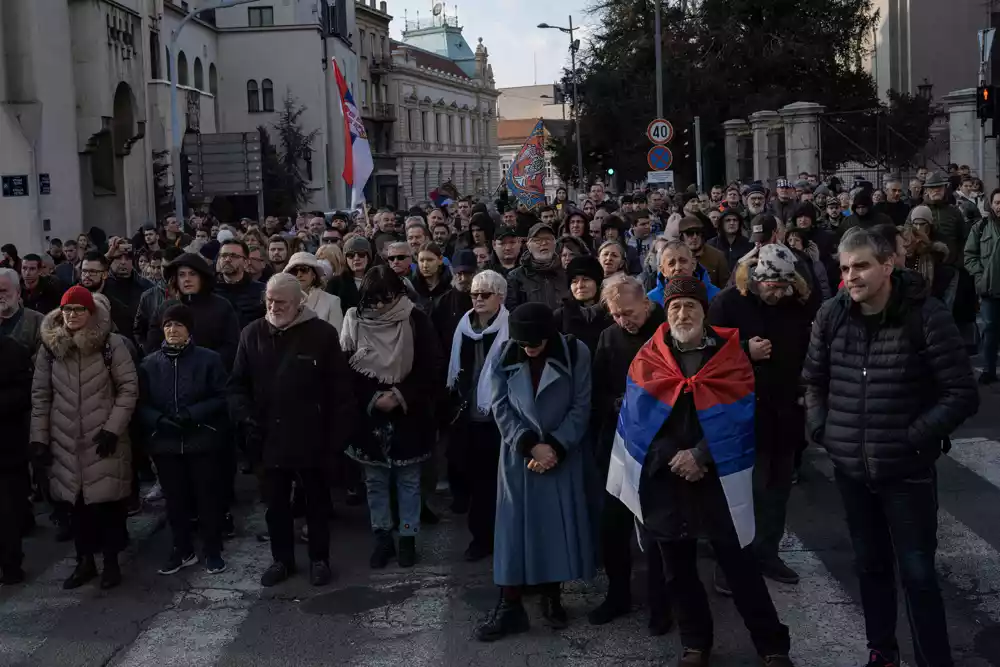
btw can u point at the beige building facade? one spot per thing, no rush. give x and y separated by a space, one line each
376 99
447 118
84 100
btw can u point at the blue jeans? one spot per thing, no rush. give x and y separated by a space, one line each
378 479
894 525
989 310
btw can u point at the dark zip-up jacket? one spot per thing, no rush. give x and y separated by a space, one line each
189 389
878 402
246 297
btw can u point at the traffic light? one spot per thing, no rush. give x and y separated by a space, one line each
985 103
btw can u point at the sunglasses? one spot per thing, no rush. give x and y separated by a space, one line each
331 239
399 258
691 232
476 296
352 255
525 344
297 270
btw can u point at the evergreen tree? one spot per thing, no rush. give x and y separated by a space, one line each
286 186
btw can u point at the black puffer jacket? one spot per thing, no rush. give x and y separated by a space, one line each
246 297
191 384
216 325
293 386
880 405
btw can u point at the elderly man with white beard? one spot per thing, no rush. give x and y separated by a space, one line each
291 394
682 462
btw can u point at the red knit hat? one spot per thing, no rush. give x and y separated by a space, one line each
79 296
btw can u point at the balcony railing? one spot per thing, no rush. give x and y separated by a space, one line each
383 112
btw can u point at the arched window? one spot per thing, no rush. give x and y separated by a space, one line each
182 69
267 94
199 75
253 96
213 80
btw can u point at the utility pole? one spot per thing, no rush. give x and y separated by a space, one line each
658 49
697 152
573 46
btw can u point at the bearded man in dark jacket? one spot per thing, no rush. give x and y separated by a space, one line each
887 381
217 326
540 277
636 319
769 303
863 214
291 393
235 284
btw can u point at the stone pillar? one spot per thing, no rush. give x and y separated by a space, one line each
965 135
801 120
733 129
760 123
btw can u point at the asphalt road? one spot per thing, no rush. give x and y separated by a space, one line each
425 616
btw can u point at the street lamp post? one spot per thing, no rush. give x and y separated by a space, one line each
175 121
574 46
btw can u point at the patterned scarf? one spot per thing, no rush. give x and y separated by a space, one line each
380 342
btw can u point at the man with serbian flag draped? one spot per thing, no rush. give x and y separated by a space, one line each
682 461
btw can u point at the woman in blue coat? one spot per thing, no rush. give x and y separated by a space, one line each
541 403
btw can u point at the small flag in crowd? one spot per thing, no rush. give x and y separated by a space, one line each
358 163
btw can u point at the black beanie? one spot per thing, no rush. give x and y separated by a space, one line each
585 265
805 210
531 322
175 311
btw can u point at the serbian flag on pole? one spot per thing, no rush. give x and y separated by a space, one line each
358 164
723 392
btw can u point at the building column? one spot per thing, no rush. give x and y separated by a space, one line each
760 123
733 129
801 120
965 134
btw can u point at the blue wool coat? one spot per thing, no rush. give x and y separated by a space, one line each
543 528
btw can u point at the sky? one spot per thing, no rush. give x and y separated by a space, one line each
520 53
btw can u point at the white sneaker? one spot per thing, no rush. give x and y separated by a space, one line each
154 494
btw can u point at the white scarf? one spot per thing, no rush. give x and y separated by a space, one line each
499 327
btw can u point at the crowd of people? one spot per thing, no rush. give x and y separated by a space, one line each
653 360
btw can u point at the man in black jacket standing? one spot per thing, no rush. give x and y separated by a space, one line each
887 380
123 286
39 293
636 319
291 393
236 286
769 303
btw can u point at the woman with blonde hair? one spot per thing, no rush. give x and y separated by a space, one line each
332 253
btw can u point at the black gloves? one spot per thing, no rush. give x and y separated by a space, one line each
167 422
184 419
106 442
41 455
253 440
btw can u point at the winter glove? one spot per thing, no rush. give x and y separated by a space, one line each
183 417
106 442
166 422
41 455
253 440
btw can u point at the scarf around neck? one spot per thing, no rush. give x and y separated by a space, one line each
530 262
499 327
380 343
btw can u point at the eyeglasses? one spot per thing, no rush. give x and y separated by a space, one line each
297 270
230 255
352 255
73 310
525 344
327 240
399 258
476 296
92 272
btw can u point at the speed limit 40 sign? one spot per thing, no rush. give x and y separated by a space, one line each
660 131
